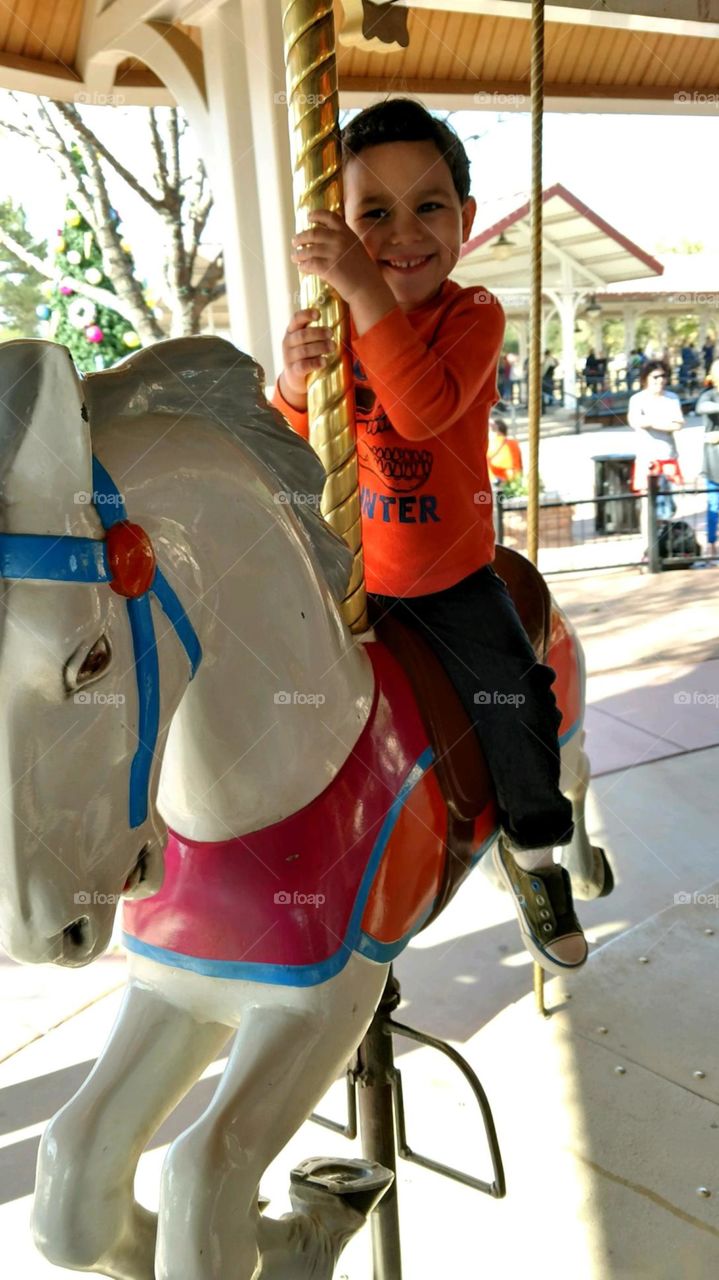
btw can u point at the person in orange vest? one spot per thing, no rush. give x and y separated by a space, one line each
504 456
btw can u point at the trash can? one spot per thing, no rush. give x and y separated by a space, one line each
613 479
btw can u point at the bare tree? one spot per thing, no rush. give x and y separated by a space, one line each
182 202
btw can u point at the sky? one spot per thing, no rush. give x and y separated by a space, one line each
652 177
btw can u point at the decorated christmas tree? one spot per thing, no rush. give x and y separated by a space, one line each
96 336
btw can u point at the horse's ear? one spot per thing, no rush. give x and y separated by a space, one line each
45 451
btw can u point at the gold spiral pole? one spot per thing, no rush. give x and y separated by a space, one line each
313 106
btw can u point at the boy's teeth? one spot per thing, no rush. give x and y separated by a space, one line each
414 262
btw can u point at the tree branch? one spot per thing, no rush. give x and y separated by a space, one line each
71 114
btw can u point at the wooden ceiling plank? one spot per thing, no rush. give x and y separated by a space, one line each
518 51
565 51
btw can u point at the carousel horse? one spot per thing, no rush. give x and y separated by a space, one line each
188 724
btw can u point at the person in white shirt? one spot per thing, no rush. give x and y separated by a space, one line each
655 414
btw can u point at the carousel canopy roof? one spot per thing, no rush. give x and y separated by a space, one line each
578 245
655 54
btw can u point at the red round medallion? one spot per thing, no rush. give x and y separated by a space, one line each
131 559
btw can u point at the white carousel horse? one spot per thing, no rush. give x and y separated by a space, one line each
190 674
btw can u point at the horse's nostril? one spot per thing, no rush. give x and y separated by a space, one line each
77 935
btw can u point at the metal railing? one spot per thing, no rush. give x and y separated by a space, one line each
615 530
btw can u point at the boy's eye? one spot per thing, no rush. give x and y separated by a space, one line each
377 214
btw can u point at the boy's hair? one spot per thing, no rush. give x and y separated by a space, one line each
404 120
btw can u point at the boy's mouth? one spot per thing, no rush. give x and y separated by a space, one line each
407 266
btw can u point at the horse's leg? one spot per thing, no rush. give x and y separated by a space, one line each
288 1050
85 1216
586 863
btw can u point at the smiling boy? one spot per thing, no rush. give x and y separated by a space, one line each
425 355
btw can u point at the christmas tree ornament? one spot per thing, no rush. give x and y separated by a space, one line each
126 246
131 339
74 257
66 291
60 244
47 288
94 333
43 311
93 275
81 313
73 218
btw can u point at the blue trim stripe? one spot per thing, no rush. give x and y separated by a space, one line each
106 496
147 674
46 558
172 606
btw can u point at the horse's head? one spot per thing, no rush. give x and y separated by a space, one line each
69 844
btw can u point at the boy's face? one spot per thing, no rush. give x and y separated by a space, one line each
401 201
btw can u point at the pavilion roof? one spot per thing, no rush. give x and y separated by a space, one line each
575 238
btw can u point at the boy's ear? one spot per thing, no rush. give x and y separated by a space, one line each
469 211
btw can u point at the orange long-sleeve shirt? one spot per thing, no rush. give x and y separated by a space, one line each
425 381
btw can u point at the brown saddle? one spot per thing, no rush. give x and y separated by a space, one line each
460 765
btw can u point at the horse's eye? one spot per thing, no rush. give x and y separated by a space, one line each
93 664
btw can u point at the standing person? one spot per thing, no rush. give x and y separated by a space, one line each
504 455
708 354
425 360
505 373
591 372
549 364
656 415
708 406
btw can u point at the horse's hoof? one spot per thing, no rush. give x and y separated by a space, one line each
356 1184
608 884
602 880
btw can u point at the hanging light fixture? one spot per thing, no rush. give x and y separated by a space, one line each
502 248
593 308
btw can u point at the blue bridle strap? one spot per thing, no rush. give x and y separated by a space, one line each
43 557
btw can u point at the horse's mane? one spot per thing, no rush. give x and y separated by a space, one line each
211 377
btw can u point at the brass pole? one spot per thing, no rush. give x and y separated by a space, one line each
535 325
313 105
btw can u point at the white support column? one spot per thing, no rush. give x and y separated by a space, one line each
630 331
233 168
567 314
270 126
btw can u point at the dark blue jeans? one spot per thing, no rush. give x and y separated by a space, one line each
475 631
